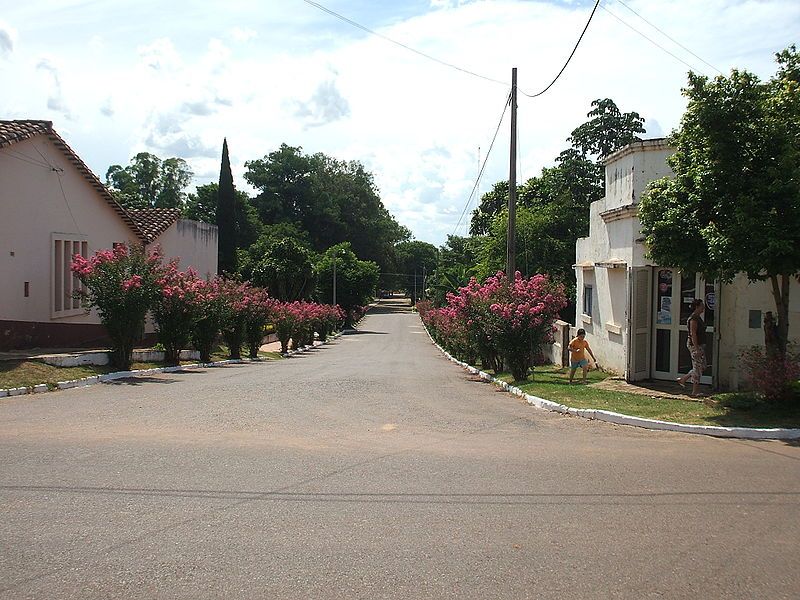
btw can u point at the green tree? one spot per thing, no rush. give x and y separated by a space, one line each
286 269
416 260
333 200
269 235
607 130
226 215
149 182
202 206
576 173
734 203
356 279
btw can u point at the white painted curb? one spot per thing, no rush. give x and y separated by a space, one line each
620 419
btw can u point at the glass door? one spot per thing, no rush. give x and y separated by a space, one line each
673 297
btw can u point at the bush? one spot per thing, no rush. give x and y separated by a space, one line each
774 377
176 309
121 283
500 321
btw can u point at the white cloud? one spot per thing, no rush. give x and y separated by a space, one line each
8 38
243 34
55 97
415 124
160 55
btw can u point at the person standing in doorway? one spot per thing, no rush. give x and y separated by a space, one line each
696 343
577 355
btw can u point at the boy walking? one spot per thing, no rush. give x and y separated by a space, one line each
577 355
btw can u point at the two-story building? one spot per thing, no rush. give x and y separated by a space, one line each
634 311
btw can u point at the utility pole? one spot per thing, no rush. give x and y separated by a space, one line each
415 286
334 280
511 246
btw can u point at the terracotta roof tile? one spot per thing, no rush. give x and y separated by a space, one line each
154 221
12 132
16 131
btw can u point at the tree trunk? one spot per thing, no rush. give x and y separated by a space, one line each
776 332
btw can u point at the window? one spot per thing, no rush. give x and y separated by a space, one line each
65 283
587 300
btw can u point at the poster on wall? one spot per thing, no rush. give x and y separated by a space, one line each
664 306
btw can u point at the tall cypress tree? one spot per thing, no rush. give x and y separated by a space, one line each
226 216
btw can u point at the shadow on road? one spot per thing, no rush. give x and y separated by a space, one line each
363 332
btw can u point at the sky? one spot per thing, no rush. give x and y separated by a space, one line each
118 77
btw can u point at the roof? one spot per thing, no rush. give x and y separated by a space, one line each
12 132
639 145
154 221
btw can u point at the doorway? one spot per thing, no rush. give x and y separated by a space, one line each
674 292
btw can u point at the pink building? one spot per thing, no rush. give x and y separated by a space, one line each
52 207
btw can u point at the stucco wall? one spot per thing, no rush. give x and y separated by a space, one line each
736 335
36 202
194 242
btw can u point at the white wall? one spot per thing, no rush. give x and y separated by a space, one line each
32 207
736 302
194 242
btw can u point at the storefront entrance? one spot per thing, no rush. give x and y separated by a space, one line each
673 293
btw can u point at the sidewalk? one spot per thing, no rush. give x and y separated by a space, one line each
654 389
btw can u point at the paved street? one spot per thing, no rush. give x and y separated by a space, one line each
374 468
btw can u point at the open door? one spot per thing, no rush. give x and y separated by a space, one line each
640 282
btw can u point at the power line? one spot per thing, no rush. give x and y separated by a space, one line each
402 45
25 158
569 58
357 25
672 39
488 153
652 41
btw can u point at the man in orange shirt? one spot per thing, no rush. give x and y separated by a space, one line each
577 355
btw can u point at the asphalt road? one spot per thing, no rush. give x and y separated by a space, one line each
375 468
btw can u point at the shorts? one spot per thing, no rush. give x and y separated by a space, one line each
698 355
579 364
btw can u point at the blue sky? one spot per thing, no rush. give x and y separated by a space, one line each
121 76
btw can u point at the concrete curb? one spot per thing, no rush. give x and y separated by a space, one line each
620 419
86 381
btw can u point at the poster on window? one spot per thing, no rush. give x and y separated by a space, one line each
665 311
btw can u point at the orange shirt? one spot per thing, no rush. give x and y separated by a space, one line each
577 347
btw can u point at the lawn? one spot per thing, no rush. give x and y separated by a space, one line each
729 409
27 373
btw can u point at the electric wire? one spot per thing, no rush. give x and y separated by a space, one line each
569 58
669 37
652 41
488 153
319 6
24 158
357 25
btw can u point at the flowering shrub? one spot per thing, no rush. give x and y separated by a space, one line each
210 306
121 283
258 311
501 321
176 308
772 376
233 309
284 320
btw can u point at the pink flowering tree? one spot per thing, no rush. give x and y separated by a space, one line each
210 308
233 313
284 320
176 308
500 321
258 311
521 316
121 284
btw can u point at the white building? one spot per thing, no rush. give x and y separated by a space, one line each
634 311
53 207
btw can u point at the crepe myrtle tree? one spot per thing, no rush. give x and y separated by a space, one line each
734 203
